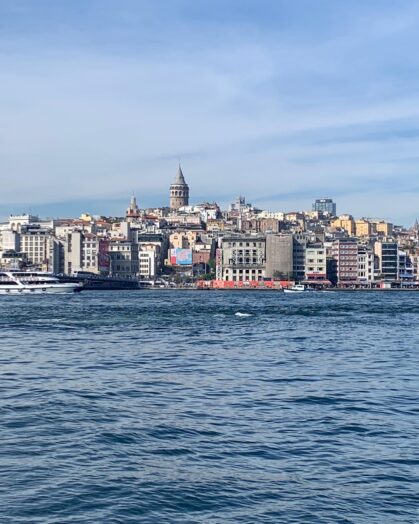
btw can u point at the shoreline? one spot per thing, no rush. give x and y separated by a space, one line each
330 290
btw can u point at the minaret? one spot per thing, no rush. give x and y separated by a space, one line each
179 191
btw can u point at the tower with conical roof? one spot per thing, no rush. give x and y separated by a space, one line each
179 191
133 210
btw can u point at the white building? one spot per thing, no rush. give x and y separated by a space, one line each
17 221
365 265
37 244
315 262
147 264
9 240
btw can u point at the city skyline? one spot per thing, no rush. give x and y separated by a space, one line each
283 103
165 201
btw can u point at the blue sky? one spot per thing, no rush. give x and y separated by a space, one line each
280 101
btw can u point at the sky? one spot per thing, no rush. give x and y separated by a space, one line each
283 102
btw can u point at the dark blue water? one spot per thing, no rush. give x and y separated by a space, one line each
167 407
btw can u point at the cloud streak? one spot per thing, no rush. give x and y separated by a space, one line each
100 98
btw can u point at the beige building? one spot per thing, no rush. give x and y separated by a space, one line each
345 222
363 228
385 228
183 240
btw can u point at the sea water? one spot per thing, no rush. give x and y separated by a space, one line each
209 407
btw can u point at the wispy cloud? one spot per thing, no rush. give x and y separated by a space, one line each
101 97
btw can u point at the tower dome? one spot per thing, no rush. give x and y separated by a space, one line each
179 191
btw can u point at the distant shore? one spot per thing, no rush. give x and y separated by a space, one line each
329 290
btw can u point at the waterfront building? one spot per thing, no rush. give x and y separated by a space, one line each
366 264
300 241
315 262
387 260
279 256
147 264
12 260
85 251
406 269
123 255
325 205
242 258
179 191
156 242
37 244
345 255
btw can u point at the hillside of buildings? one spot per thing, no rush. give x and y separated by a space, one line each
184 243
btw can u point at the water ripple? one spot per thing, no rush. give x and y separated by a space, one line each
209 407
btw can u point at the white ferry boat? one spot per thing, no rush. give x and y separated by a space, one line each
34 282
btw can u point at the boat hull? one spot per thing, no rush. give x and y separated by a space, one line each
40 289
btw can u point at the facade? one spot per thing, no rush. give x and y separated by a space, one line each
123 255
363 228
315 262
179 191
147 266
406 269
384 228
242 259
279 256
365 265
345 254
81 252
300 241
183 240
10 240
239 206
387 260
38 245
260 225
17 221
345 222
156 242
325 205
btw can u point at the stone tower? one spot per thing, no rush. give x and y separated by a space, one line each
179 191
133 210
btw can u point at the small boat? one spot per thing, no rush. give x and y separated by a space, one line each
297 288
34 282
